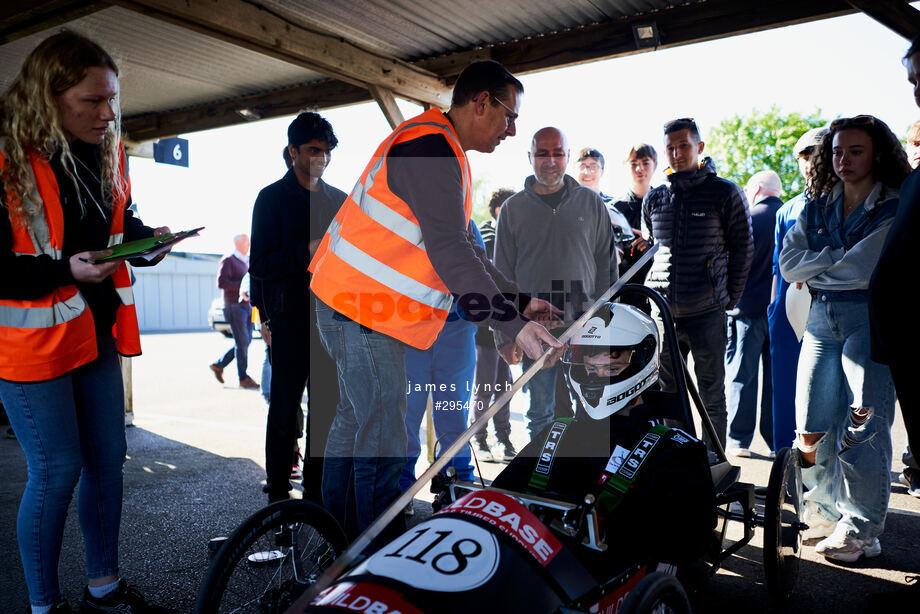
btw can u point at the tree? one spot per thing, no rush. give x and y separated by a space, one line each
744 145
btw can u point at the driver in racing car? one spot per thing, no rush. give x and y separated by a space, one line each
652 484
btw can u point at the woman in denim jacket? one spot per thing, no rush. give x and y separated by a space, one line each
844 400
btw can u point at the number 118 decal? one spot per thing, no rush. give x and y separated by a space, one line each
442 554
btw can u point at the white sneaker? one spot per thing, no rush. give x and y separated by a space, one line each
739 452
819 527
842 547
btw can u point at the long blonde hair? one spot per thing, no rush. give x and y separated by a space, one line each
30 121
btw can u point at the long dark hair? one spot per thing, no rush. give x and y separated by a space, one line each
890 165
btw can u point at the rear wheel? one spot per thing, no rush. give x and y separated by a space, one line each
657 593
782 531
271 559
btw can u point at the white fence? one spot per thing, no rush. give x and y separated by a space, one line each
175 295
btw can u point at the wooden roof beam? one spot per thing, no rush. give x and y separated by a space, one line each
895 14
248 24
20 18
387 104
679 25
276 103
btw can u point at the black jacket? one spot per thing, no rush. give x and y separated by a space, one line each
757 289
704 227
285 219
668 514
895 334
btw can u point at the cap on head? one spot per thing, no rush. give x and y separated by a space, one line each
810 139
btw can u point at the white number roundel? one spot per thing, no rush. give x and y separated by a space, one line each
441 554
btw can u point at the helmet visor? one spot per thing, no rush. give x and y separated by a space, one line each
600 365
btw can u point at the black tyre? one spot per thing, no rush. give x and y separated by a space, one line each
782 531
656 593
271 559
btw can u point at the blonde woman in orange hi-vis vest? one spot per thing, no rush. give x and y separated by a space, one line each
397 255
64 319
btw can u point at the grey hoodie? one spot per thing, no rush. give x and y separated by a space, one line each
564 255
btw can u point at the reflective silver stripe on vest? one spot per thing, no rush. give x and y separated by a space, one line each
381 213
42 317
387 218
126 295
116 239
386 275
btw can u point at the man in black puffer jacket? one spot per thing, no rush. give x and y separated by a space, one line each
704 227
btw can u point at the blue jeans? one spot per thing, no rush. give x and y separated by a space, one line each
71 428
784 362
542 389
849 480
449 365
748 345
366 449
705 336
240 319
265 383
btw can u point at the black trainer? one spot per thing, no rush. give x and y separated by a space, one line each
483 452
508 451
124 600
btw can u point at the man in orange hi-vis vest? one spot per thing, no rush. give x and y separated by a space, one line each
386 273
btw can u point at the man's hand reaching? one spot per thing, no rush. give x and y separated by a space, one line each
543 312
532 339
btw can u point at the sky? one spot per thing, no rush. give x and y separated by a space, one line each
843 66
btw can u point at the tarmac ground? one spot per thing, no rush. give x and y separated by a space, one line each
195 468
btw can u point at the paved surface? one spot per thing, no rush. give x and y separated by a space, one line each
195 469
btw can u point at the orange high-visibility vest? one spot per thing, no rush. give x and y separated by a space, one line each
371 265
46 337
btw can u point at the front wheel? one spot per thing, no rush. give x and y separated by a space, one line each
657 593
271 559
782 529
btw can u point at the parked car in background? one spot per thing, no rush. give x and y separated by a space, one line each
218 322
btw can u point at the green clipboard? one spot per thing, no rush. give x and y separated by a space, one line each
147 247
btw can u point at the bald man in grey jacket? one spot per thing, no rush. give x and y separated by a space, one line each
555 242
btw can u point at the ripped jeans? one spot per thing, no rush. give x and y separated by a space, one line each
850 479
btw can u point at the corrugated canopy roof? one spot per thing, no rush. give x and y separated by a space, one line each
194 64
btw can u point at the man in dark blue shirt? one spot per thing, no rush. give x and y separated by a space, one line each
748 328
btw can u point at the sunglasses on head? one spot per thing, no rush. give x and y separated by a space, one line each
680 123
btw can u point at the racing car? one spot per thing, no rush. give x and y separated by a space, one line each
488 549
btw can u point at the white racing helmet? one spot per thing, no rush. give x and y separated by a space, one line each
614 327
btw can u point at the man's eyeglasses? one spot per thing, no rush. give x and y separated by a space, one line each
592 167
510 116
